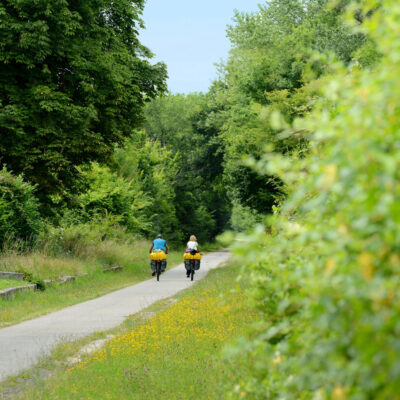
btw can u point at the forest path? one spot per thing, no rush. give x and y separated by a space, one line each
22 345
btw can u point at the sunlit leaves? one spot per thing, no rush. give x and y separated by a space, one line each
337 268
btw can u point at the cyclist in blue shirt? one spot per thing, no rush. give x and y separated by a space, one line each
159 244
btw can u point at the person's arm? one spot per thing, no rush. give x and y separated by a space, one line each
166 249
151 248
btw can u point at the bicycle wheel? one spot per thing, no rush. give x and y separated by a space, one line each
191 273
158 270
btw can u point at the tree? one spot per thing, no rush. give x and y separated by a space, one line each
168 120
271 68
19 209
181 124
73 81
108 194
151 169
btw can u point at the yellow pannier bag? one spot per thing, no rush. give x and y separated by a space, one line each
158 255
188 256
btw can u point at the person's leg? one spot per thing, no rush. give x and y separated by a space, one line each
187 267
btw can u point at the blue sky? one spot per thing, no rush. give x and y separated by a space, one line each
190 37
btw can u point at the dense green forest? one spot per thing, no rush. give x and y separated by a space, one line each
89 134
295 144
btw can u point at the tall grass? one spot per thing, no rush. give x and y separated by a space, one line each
42 265
91 258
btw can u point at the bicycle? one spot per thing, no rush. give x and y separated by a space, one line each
191 266
158 264
191 271
158 269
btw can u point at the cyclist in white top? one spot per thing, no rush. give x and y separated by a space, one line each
192 245
193 248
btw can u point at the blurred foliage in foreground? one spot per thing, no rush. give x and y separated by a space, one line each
327 278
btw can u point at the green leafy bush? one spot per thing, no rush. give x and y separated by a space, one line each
74 237
32 279
243 218
40 284
328 277
19 209
109 193
28 276
151 169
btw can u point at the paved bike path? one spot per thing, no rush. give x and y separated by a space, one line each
22 345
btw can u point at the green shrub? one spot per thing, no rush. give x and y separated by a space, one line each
151 169
73 237
111 194
27 275
40 284
243 218
19 209
328 278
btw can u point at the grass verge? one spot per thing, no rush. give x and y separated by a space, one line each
90 258
9 283
173 355
134 260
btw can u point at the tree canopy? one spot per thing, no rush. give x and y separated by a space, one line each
84 114
73 80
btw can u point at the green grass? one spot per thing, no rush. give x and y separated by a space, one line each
9 283
134 260
174 355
